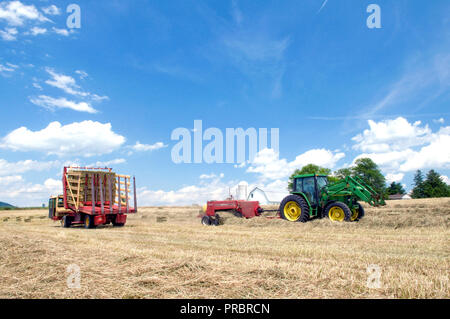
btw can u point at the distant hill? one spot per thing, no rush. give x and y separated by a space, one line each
5 205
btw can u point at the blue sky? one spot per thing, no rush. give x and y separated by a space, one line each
111 92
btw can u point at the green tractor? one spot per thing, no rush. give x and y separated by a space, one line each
312 196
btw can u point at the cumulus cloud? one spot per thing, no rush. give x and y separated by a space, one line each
25 194
84 139
210 187
55 103
270 167
394 177
391 135
400 146
8 168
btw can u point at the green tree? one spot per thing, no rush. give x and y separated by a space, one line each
309 169
395 188
368 171
434 186
418 190
343 173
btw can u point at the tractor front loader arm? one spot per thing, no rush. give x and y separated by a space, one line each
354 186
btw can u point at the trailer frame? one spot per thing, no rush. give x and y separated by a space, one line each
99 210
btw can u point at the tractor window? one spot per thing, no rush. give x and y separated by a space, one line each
298 185
321 182
309 189
60 202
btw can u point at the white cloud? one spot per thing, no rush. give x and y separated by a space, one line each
25 194
37 31
8 68
85 139
445 179
270 167
210 187
116 161
7 180
394 177
435 155
440 120
82 74
423 80
16 13
37 86
65 83
9 34
399 146
391 135
54 103
211 176
8 168
138 147
63 32
69 85
52 10
322 6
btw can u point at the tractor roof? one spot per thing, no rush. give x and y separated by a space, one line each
310 175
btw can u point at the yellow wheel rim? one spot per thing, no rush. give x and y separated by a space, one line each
87 221
336 214
292 211
355 214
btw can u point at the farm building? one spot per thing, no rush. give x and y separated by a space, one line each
258 194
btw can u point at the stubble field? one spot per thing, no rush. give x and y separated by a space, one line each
164 252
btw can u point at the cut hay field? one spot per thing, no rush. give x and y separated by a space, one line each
177 257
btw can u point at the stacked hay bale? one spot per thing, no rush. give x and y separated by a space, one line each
79 190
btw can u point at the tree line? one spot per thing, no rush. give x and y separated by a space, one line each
427 186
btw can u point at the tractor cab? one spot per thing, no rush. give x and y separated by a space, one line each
310 185
55 204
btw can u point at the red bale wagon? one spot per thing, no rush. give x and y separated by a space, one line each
92 197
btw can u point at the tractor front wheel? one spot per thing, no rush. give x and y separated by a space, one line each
294 209
338 212
358 212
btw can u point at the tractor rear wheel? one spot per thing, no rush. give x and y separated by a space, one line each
89 222
338 212
294 209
